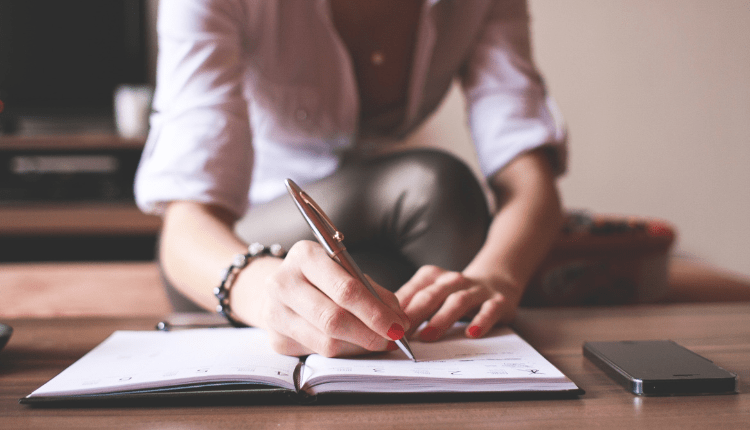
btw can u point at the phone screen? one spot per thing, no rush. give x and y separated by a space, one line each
659 367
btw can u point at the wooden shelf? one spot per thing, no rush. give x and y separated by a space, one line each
84 141
73 218
76 219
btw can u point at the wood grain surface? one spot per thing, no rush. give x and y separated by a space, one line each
41 348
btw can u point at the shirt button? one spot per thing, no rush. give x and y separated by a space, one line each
301 114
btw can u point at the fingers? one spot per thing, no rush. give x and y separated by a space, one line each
318 307
310 340
390 300
456 306
426 275
442 297
348 293
426 293
314 321
494 311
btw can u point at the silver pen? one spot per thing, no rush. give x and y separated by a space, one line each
333 242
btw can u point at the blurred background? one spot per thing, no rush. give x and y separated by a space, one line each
656 96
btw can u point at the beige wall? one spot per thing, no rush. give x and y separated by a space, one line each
656 94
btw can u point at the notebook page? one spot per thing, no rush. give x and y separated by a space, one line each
501 361
134 360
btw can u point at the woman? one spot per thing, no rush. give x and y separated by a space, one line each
252 92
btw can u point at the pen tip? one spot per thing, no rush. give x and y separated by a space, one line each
404 346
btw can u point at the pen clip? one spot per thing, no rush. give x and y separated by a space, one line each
321 225
327 223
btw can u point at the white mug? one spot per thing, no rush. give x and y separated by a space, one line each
132 109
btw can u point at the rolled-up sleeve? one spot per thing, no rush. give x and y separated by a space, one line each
509 111
199 146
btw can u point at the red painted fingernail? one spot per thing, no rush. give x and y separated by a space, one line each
475 331
396 332
429 334
391 346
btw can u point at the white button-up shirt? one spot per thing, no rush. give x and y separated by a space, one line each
250 92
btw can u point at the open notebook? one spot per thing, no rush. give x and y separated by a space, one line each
136 364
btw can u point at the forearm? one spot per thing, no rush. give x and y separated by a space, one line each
196 244
523 230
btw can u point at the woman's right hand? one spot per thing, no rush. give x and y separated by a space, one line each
308 304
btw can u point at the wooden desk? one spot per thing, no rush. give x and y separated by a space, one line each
40 348
46 290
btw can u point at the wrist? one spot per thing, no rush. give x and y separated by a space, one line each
229 278
250 295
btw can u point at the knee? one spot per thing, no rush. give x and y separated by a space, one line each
445 182
439 187
443 212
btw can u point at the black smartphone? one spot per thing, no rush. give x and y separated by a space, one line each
659 368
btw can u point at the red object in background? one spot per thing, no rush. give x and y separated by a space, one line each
604 260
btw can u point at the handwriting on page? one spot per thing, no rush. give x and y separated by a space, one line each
456 357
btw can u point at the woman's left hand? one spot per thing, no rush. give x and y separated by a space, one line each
442 297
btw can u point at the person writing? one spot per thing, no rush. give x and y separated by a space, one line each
251 92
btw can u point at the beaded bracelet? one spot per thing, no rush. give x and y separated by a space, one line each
229 274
